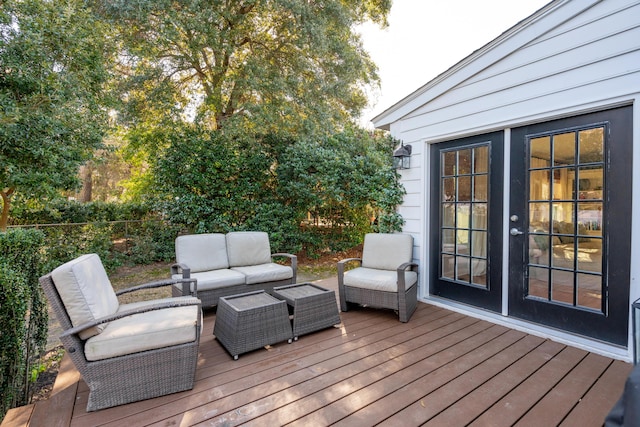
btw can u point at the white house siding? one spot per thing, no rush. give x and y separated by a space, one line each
570 57
574 64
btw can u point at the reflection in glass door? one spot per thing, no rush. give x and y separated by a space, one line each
466 220
464 178
566 181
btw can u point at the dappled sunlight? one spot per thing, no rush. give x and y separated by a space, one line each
362 374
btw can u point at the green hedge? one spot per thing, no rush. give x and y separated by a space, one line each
71 211
23 315
120 233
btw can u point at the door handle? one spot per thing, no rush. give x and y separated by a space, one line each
515 232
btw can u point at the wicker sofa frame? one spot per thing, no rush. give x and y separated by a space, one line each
132 377
210 296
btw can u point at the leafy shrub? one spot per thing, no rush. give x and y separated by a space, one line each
66 242
120 233
213 182
23 314
152 241
61 210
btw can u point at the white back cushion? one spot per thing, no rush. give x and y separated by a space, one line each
202 252
386 251
86 291
248 248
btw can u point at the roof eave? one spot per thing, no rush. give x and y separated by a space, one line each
404 106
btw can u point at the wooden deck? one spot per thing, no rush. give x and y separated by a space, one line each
441 369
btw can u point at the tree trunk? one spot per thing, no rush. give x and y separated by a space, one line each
86 174
6 205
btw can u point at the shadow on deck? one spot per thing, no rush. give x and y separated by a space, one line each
442 369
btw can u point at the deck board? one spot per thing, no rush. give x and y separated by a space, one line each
556 404
441 368
598 399
420 362
508 410
476 402
428 404
18 416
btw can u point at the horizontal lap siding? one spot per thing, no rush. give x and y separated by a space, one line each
594 56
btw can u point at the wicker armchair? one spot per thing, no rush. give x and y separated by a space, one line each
386 277
124 352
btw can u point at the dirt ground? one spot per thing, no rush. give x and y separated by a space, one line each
309 269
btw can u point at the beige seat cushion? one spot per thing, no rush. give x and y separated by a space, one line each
202 252
269 272
214 279
386 251
246 248
144 331
86 291
378 280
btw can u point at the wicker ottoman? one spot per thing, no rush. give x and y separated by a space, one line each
313 307
250 321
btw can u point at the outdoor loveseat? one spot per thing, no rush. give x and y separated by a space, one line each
124 352
231 264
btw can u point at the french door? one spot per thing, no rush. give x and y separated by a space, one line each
466 220
570 224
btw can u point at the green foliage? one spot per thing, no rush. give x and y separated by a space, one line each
65 243
23 314
51 95
14 299
120 233
285 66
209 182
345 183
151 243
59 210
212 182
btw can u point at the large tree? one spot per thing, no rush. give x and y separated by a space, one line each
273 65
52 72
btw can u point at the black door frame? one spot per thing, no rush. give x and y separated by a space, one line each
611 325
490 298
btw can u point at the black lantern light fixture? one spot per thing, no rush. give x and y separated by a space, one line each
402 156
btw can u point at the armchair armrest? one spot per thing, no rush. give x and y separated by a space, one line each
294 262
344 306
401 269
156 284
406 265
187 301
343 262
181 268
185 270
160 283
341 266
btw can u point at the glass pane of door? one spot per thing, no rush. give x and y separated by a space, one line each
566 181
464 184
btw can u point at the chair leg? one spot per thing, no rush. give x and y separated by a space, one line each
407 304
344 306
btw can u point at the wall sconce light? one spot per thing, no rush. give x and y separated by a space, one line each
402 157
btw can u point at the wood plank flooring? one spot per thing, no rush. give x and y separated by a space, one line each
441 369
